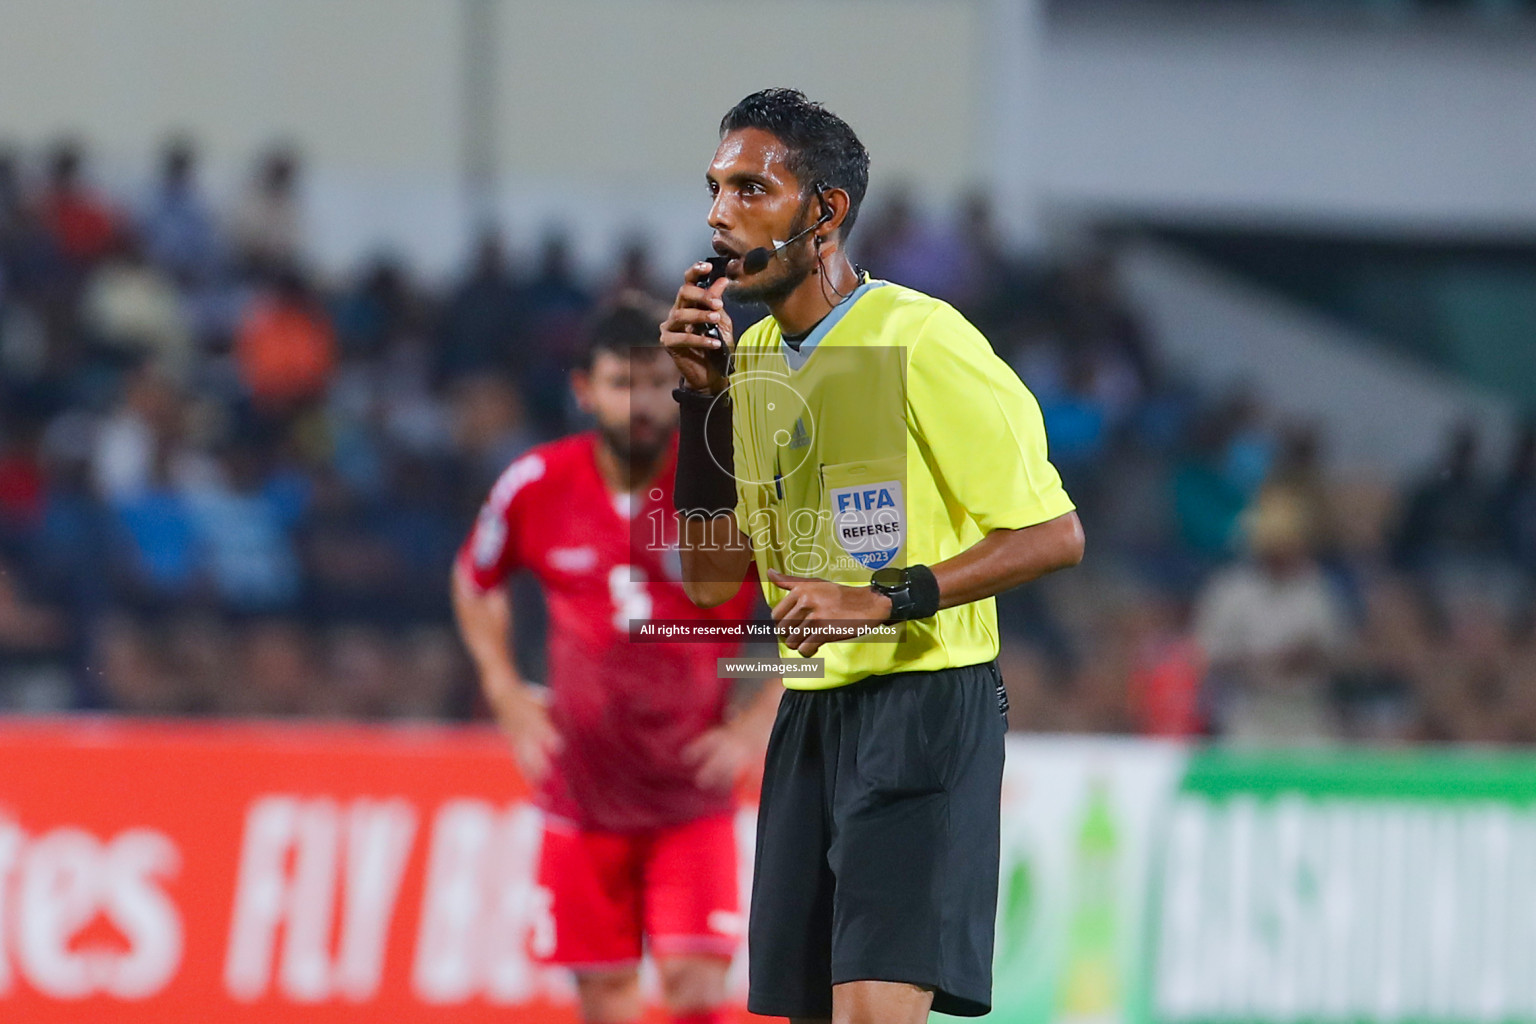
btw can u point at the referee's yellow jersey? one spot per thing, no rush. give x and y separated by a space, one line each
894 436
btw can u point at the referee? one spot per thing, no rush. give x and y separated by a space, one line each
881 465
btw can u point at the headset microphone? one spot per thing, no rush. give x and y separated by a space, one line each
757 259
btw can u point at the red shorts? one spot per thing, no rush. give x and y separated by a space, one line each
673 890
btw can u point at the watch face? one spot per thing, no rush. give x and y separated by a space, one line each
889 578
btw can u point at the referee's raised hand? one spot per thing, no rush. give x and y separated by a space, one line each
694 311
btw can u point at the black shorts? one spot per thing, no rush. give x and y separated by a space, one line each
877 842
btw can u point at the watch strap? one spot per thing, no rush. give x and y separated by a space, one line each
918 598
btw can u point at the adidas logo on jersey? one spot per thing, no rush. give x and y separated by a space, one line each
799 437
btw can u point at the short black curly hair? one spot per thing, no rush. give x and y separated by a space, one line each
821 145
620 326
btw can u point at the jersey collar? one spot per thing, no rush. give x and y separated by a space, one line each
798 359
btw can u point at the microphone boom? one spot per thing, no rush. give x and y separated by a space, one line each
757 259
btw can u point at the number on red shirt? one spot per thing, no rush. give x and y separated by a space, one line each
626 585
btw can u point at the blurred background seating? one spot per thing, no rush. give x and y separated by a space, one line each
229 485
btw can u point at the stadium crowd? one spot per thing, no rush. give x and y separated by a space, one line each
230 487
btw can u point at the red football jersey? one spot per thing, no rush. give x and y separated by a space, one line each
624 710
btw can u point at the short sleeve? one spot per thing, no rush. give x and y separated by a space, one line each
979 428
489 553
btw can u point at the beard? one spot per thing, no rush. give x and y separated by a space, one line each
633 447
785 272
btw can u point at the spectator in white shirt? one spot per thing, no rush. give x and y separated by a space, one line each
1272 630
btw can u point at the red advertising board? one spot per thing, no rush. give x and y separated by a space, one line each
162 872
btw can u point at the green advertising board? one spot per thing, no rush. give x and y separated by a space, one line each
1144 882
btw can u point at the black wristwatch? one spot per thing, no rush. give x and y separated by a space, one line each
913 591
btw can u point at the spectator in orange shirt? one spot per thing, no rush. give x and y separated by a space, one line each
285 347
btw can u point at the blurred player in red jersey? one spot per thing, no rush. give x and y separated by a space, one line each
635 755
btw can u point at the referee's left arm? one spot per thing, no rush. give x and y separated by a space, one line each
1007 558
958 393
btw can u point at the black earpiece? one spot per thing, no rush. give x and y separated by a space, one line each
757 259
826 207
